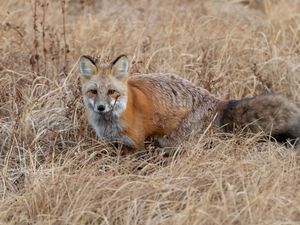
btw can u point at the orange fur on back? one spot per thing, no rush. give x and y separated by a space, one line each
144 116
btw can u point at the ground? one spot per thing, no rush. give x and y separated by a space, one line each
54 171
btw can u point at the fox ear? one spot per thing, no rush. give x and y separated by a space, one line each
119 67
87 67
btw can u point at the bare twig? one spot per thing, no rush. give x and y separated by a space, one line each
63 4
34 60
44 7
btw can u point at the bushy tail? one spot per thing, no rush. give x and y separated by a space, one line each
272 114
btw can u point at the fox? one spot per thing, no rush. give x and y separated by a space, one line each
128 109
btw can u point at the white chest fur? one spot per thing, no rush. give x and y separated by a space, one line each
109 127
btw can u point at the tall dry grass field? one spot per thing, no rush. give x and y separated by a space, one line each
54 171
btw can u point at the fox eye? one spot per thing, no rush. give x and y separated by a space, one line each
94 92
111 92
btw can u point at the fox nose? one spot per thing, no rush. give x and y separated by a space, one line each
101 108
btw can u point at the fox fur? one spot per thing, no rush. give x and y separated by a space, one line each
129 109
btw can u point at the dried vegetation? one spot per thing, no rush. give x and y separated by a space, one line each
53 171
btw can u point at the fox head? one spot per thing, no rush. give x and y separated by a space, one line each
104 89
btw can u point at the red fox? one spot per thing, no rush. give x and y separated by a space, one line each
129 109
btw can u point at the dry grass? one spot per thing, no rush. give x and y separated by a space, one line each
53 171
